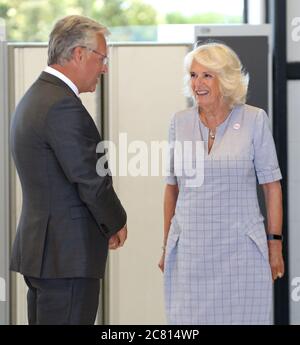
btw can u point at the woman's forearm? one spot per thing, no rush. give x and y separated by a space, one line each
273 197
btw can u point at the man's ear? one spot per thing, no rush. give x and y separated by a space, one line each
78 54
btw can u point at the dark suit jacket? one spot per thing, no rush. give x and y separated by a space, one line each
68 211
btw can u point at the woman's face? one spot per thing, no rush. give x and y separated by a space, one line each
205 86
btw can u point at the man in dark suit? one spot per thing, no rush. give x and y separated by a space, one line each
70 215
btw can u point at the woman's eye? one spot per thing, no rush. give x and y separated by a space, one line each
193 75
207 75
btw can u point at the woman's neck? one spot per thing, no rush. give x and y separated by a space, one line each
214 116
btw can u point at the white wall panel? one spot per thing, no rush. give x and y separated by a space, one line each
293 30
145 89
294 191
4 188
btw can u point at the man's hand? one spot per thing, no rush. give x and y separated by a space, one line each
117 240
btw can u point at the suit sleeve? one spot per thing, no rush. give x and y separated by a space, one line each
73 137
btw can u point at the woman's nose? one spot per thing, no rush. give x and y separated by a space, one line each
199 81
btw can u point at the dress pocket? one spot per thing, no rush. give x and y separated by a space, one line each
173 235
257 234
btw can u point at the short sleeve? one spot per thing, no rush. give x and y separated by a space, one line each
265 157
170 175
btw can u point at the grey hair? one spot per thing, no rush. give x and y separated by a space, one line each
70 32
222 60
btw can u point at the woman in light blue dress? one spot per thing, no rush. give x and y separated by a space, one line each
218 259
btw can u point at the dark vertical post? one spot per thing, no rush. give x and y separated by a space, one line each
267 11
277 17
245 12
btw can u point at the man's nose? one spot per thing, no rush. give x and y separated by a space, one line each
104 69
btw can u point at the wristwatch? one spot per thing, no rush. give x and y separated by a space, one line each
274 237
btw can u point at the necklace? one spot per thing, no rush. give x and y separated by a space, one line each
211 134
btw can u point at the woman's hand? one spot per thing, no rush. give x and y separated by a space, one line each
276 259
161 263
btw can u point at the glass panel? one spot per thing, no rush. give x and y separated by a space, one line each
128 20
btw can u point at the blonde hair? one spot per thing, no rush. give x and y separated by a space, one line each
224 62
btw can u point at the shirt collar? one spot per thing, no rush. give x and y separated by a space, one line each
62 77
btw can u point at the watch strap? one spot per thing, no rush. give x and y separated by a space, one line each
274 237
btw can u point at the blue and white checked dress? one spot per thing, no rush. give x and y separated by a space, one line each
216 265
